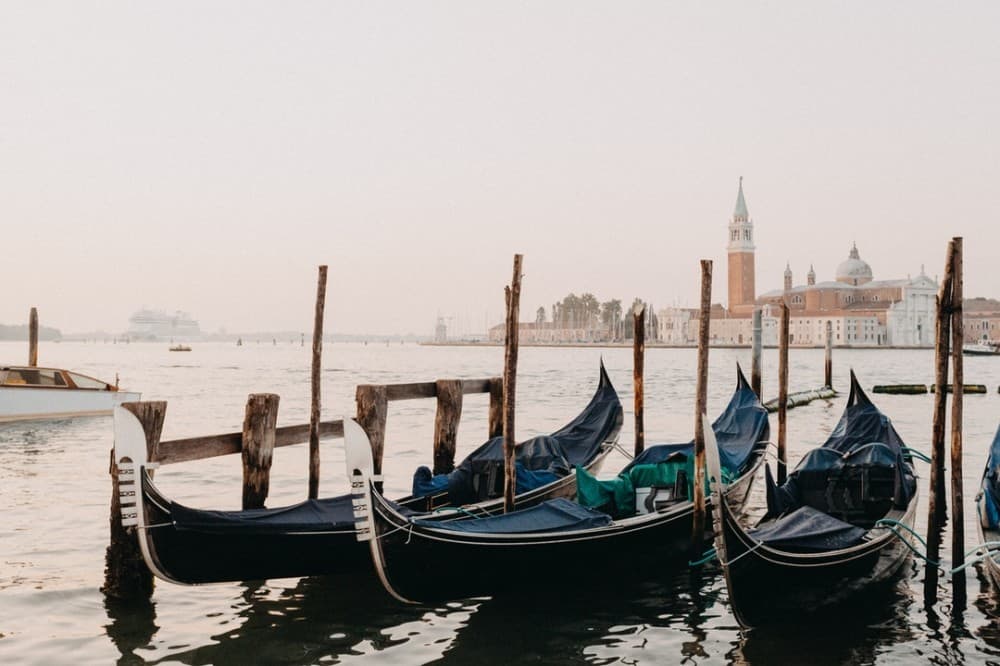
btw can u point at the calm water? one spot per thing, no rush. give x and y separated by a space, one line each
55 493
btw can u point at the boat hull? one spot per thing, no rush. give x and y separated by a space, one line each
765 584
195 556
422 564
36 403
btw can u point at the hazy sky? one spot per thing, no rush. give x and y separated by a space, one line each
207 156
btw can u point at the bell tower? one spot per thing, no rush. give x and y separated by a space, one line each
742 292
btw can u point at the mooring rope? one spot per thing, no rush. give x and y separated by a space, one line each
916 454
891 525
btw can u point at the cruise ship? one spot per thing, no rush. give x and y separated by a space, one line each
159 325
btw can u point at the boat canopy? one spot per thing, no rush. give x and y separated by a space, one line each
857 476
538 460
555 515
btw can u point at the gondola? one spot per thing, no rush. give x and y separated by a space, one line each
557 542
838 526
988 512
190 546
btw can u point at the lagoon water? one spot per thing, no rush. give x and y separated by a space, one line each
55 493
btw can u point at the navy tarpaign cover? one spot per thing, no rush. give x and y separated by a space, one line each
859 473
576 443
808 530
742 427
557 515
315 515
991 485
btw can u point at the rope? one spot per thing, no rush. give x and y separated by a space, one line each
988 549
891 525
917 454
624 452
708 556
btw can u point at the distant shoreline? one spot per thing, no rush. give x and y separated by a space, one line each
662 345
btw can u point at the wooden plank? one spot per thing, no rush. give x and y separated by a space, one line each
638 358
937 510
210 446
418 390
701 400
33 338
512 296
958 377
314 405
259 425
755 354
783 394
449 412
372 413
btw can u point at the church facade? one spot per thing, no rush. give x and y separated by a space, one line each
861 311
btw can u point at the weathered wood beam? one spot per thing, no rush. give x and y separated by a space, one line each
449 413
701 399
210 446
957 400
314 405
783 394
259 425
33 337
638 359
512 295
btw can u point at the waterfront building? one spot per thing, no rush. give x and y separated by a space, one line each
861 311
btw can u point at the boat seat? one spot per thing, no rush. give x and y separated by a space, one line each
857 494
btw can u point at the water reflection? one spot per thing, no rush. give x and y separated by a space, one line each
855 633
317 620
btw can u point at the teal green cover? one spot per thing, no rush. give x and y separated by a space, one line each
617 496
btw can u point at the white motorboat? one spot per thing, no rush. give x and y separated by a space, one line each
32 393
981 348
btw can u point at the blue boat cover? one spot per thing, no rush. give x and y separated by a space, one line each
556 515
314 515
480 475
860 473
740 429
808 530
991 486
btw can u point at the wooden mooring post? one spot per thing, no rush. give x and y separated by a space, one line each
373 409
126 576
496 407
314 409
449 412
512 296
958 378
937 509
756 347
783 394
638 363
33 338
259 426
701 399
828 358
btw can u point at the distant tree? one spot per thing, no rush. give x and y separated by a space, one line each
540 316
611 314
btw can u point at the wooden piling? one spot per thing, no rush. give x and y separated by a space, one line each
638 360
317 355
126 576
33 338
496 407
512 296
756 347
783 394
828 360
957 494
701 399
937 509
259 425
373 408
449 411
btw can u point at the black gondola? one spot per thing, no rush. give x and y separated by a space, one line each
836 528
185 545
427 558
988 512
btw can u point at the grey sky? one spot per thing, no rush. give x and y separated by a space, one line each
207 156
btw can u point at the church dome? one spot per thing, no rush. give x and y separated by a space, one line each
854 270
